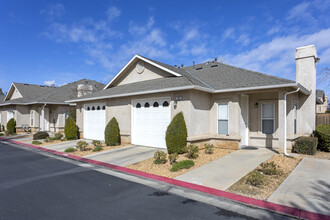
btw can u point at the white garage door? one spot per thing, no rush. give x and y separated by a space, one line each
94 121
150 120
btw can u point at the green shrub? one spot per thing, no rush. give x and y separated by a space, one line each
40 135
209 148
81 145
36 142
111 133
160 157
2 134
269 168
96 143
255 178
70 129
0 125
322 132
173 158
53 139
184 164
192 151
11 126
48 140
176 135
70 149
64 139
97 148
305 145
73 114
58 136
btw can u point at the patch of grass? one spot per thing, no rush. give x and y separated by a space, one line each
36 142
184 164
97 148
70 149
255 178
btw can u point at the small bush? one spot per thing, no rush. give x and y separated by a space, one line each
176 135
111 133
64 139
70 149
58 136
48 140
53 139
11 126
40 135
160 157
70 129
81 145
269 168
184 164
2 134
255 178
322 132
97 148
305 145
192 151
209 148
36 142
96 143
0 125
173 158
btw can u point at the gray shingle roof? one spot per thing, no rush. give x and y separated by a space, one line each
46 94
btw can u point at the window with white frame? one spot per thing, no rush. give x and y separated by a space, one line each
268 118
67 114
223 118
31 117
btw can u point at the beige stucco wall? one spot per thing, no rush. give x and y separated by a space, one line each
22 116
131 75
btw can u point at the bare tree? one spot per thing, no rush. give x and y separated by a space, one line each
323 80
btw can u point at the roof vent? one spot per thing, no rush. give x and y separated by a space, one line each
214 65
182 65
215 59
199 68
176 66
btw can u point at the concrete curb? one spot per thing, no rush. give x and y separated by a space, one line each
281 209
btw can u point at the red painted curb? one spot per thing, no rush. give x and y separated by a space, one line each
238 198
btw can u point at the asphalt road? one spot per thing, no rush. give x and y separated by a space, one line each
35 186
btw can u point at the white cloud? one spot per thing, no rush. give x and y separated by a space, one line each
112 13
228 33
50 83
274 30
298 11
243 39
54 11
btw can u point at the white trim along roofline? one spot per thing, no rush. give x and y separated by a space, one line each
145 60
32 103
294 85
12 84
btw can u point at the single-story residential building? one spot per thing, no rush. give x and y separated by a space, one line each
222 104
40 107
321 101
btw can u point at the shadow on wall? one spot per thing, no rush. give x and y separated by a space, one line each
269 141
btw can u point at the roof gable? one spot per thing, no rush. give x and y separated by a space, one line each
13 93
130 65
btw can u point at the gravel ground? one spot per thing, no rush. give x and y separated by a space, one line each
164 169
286 165
89 150
318 155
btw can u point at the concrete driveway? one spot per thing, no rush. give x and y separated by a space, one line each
227 170
124 156
307 187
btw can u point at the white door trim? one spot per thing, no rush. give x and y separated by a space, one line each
244 120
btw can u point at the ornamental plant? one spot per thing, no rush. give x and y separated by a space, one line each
111 133
70 129
176 135
11 126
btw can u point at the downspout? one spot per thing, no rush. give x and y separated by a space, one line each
285 94
43 116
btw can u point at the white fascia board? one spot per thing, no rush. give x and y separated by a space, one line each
32 103
11 86
145 60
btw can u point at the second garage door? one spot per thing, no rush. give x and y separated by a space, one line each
94 123
150 120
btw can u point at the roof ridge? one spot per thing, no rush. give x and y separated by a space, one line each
197 79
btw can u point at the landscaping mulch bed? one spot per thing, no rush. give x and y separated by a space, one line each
164 169
51 142
286 165
318 155
89 150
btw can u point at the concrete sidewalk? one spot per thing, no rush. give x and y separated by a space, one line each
307 187
124 156
225 171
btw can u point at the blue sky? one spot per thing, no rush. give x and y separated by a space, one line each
64 41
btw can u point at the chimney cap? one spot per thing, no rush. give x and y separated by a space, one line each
305 52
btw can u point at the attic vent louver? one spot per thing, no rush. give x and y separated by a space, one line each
215 65
199 68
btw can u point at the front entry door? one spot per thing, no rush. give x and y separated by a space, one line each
244 120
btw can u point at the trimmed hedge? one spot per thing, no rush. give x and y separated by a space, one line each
40 135
305 145
184 164
176 135
322 132
70 129
111 133
11 126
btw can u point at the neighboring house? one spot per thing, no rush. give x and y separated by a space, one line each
222 104
40 107
2 97
321 101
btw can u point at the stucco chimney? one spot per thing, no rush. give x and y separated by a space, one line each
306 59
84 89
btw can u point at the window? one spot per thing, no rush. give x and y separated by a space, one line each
103 107
165 104
295 118
93 108
147 105
66 115
98 108
54 118
88 108
223 118
268 118
155 104
138 105
31 118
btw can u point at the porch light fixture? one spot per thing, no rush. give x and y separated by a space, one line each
256 105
